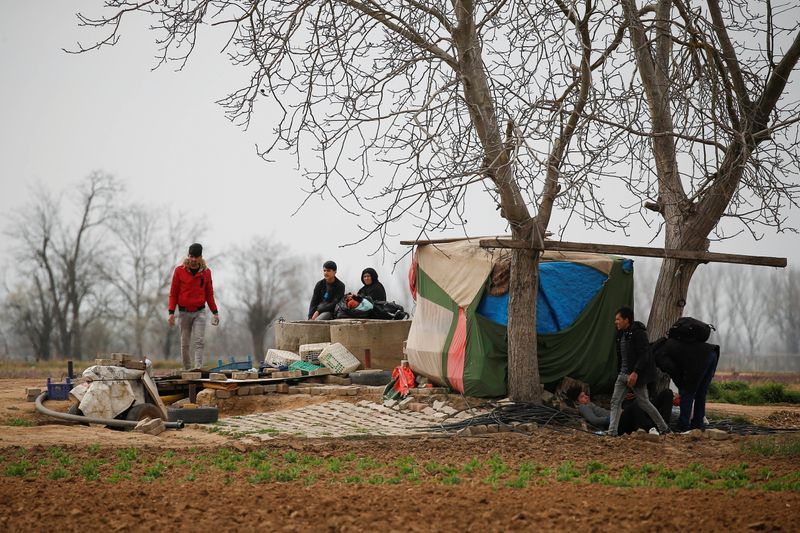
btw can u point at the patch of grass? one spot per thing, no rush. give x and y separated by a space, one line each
128 454
594 466
311 460
451 479
349 457
287 474
93 448
566 471
375 479
227 460
90 470
309 480
367 463
432 467
116 477
19 422
18 469
60 455
190 477
352 479
334 465
290 457
772 447
472 465
742 393
58 473
154 472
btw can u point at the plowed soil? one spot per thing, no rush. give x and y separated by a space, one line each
62 477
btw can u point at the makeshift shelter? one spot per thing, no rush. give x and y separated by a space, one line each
458 334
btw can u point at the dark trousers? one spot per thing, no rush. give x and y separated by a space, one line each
697 397
633 417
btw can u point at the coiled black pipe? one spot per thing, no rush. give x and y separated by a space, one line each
178 424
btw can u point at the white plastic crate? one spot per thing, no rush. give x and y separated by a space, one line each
280 357
338 359
312 351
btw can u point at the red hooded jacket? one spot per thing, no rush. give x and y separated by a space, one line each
191 291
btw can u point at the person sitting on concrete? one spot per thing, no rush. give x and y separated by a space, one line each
593 414
327 293
372 288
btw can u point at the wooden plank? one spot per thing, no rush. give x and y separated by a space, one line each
640 251
152 390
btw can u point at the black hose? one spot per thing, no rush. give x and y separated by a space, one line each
113 422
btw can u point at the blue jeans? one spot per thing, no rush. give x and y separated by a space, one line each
697 397
642 399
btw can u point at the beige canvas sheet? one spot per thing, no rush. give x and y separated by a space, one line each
426 339
460 268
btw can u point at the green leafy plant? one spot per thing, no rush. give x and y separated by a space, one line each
567 472
93 448
154 472
18 469
19 422
90 470
58 473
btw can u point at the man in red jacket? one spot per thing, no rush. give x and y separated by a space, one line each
190 291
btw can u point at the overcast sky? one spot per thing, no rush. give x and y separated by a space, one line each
162 134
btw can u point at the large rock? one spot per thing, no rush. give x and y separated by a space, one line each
207 398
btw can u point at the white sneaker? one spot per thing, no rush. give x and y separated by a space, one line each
653 431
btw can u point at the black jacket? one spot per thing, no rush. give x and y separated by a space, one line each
325 296
375 290
640 359
685 362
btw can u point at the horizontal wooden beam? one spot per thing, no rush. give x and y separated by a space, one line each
422 242
639 251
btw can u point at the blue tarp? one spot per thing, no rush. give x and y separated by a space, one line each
564 291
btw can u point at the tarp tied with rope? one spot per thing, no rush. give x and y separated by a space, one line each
458 335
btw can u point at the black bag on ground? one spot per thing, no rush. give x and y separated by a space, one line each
688 329
388 311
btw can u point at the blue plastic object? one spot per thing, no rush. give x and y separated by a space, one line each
58 391
565 289
234 365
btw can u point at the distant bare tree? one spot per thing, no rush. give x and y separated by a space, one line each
62 250
783 304
266 284
32 316
145 249
747 308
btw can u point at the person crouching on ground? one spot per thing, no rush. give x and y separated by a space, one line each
372 287
636 370
191 289
327 293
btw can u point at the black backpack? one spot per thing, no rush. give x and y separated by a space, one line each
388 311
688 329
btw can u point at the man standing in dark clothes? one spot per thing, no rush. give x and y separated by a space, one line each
372 287
636 370
327 292
191 289
692 366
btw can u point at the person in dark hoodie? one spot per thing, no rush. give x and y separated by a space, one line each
372 287
636 370
327 293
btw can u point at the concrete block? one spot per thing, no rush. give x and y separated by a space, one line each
223 394
270 388
717 434
244 375
257 389
32 393
243 391
282 388
299 390
151 426
438 405
416 407
429 411
191 375
217 376
333 379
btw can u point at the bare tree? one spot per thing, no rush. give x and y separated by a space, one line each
32 317
63 253
783 304
722 141
266 284
142 254
442 97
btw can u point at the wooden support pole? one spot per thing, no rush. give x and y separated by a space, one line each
639 251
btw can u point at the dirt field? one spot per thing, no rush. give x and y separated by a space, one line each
67 477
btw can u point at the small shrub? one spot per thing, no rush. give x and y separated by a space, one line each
18 469
19 422
58 473
90 470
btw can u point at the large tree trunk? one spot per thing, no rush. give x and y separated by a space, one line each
523 362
